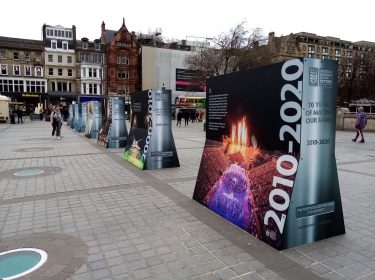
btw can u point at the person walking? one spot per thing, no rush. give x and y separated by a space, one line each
360 124
179 118
19 115
56 120
186 117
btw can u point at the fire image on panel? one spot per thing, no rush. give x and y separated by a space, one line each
150 144
264 126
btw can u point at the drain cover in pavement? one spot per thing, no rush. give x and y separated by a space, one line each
39 149
29 172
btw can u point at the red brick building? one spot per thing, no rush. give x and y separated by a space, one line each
122 60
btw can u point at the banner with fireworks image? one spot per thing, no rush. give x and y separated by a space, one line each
256 169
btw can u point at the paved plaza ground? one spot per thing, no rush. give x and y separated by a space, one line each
99 217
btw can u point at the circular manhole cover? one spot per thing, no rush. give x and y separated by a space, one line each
19 262
36 139
39 149
29 172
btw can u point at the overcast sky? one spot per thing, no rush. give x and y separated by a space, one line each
352 21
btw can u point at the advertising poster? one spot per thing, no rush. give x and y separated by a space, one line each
71 114
103 136
90 119
117 132
188 80
78 117
84 117
113 133
150 144
269 164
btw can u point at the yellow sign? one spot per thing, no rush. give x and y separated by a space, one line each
29 95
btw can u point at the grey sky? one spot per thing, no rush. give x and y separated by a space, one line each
350 21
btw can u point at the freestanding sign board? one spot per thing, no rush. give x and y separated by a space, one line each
78 117
94 119
71 115
84 116
113 133
150 144
269 164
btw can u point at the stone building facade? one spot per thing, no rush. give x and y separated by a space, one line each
22 71
122 60
91 68
60 62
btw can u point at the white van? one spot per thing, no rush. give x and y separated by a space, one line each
4 108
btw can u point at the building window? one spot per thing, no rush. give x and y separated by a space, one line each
123 60
35 86
84 88
53 86
337 52
38 71
27 70
97 46
3 69
3 54
97 58
349 54
49 32
325 50
18 86
70 72
85 57
15 55
84 45
69 59
65 45
50 71
6 85
53 44
50 58
311 49
38 56
123 74
60 72
16 70
59 58
27 56
92 72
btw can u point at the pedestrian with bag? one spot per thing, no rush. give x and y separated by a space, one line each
56 120
360 124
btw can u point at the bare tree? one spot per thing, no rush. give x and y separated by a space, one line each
356 77
239 49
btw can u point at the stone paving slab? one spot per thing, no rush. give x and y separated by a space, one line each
144 225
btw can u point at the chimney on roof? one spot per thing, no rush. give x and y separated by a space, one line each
123 22
102 34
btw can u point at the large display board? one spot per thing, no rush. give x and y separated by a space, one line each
150 144
113 133
269 164
94 119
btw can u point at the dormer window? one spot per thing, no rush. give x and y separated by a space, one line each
85 45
